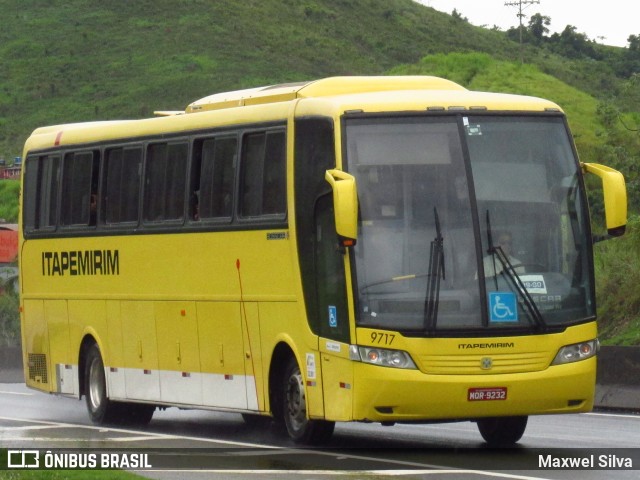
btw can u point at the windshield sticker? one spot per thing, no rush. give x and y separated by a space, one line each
503 307
534 284
473 130
333 316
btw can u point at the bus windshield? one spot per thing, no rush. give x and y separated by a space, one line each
469 223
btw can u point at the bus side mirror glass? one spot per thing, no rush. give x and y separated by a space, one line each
345 204
615 197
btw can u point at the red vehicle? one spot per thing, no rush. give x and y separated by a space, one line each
8 255
8 242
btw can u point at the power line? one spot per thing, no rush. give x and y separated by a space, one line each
519 4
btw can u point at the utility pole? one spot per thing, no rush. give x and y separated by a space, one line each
519 4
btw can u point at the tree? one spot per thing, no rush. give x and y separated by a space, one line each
538 27
458 16
572 44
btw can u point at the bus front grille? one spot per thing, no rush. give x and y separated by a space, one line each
484 363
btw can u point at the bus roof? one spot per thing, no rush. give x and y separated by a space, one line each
329 96
319 88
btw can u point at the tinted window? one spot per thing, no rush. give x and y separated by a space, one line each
164 185
122 184
41 192
212 188
79 189
263 178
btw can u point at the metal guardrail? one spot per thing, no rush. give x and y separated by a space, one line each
618 375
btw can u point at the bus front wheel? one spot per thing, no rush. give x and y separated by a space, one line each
299 427
502 431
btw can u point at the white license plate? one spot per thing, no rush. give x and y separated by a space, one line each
487 394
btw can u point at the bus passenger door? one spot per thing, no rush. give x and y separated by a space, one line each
332 314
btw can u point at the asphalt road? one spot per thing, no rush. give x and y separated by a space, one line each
201 444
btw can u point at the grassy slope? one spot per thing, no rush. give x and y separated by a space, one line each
484 73
9 197
617 280
79 60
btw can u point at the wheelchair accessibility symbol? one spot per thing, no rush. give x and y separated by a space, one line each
503 307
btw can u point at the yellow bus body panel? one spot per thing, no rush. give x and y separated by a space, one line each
449 367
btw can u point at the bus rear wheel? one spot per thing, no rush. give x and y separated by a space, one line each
502 431
101 409
299 427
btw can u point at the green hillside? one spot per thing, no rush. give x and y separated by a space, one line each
483 73
78 60
599 137
81 60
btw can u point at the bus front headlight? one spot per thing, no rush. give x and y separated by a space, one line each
576 352
381 356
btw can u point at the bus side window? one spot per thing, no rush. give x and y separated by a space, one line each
213 178
41 192
122 185
164 182
79 189
263 174
274 197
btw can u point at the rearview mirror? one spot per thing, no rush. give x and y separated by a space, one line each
345 204
615 197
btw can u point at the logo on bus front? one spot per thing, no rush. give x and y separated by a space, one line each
486 363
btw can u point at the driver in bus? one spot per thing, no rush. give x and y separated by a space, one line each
493 266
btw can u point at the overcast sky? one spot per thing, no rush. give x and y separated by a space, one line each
613 19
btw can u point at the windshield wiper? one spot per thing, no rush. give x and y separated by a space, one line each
509 272
435 271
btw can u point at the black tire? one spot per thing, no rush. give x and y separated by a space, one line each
502 431
101 409
299 427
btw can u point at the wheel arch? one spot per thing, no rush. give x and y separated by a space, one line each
282 354
88 340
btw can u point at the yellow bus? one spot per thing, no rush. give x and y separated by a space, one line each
372 249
